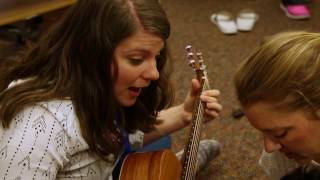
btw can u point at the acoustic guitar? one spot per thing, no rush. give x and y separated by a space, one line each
163 164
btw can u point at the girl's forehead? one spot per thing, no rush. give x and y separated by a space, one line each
265 117
141 41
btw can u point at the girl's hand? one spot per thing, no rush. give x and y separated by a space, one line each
208 97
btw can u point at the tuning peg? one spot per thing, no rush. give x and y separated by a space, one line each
191 63
203 67
190 56
200 57
188 48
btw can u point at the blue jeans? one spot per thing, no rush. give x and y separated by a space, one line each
162 143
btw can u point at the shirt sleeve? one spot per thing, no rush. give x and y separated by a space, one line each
32 146
136 139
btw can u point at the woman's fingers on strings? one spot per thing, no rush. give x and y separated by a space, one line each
212 92
210 115
208 99
210 96
213 106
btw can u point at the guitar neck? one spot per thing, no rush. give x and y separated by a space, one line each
191 149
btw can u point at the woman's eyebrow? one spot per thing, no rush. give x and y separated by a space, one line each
137 49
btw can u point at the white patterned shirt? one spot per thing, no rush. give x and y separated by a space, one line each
44 141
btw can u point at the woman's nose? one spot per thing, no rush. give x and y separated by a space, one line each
151 71
271 145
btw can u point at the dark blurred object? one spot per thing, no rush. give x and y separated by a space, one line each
24 20
303 173
23 31
237 113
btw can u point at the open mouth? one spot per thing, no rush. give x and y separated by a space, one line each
134 91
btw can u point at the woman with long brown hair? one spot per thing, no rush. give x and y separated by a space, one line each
97 75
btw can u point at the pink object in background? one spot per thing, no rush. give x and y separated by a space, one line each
297 11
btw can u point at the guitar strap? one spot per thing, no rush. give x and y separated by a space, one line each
126 151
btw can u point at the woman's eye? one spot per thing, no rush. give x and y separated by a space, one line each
282 134
136 61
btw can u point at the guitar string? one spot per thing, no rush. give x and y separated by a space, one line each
192 163
192 158
189 154
190 151
196 140
194 143
199 126
190 168
193 155
190 173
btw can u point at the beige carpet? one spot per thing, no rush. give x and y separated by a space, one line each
222 54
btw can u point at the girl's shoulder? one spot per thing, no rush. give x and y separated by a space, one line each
64 116
46 136
62 110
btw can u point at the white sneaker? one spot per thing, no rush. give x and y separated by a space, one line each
225 22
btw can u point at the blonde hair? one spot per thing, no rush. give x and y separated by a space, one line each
285 66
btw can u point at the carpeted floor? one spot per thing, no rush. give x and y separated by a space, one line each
222 54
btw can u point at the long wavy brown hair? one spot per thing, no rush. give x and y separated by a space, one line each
73 60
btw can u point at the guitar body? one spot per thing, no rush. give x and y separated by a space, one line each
154 165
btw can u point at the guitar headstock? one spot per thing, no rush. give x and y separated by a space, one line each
196 62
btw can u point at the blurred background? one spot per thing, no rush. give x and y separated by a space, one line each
22 22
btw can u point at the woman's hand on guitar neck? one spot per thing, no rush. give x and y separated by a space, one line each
210 99
177 117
